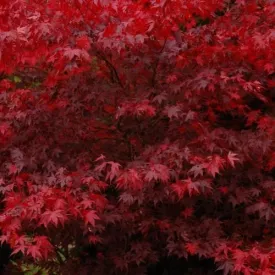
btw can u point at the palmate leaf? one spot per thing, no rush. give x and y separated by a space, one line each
53 217
91 217
197 170
31 269
232 158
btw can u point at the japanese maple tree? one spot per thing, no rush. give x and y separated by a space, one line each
141 128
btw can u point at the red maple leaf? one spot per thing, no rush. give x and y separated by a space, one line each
191 248
53 217
34 251
214 165
197 170
109 30
91 217
232 158
12 169
83 42
187 212
157 172
173 111
45 246
114 170
129 179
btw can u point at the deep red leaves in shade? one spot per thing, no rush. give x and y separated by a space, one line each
191 248
188 212
142 128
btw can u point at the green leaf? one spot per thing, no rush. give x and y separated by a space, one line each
33 270
36 84
17 79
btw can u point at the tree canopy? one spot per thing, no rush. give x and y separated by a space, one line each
141 128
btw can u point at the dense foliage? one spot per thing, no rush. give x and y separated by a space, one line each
131 130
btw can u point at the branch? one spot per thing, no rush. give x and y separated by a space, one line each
112 68
153 80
